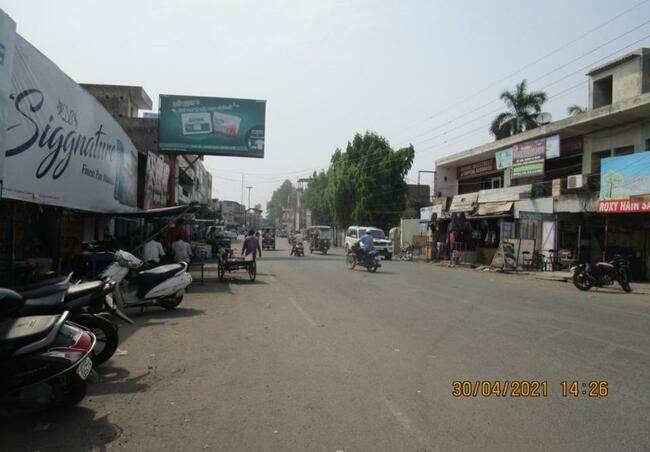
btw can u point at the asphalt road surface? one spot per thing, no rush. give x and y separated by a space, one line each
314 357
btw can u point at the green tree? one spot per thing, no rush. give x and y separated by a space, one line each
523 110
316 199
366 182
282 197
575 109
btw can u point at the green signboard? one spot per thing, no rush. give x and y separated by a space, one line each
212 125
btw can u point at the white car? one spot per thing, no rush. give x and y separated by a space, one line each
381 243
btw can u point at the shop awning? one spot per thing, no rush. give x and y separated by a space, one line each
494 210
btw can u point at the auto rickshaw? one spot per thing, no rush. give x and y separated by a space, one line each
320 238
268 238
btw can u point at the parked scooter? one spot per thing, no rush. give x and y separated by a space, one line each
45 360
163 286
88 304
356 256
602 274
298 249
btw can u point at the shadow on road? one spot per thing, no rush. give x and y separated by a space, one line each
72 429
115 380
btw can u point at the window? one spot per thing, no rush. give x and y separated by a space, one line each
602 92
596 157
626 150
352 233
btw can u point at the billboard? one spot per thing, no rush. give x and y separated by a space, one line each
156 182
625 184
7 47
212 125
62 147
528 158
476 169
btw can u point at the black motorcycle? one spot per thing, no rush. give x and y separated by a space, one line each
90 305
603 274
298 249
356 256
45 360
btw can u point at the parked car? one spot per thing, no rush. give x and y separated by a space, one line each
382 244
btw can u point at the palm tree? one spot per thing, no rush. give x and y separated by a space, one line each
524 107
575 110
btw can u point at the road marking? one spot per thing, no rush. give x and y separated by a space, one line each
406 422
302 311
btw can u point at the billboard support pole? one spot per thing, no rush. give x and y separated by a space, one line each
171 183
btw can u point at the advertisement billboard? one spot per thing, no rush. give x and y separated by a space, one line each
212 125
62 147
504 159
476 169
7 48
625 184
156 182
528 158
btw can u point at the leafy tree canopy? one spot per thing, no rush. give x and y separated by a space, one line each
282 197
523 110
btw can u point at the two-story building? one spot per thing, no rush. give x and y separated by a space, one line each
580 184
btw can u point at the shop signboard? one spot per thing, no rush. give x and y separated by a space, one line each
7 47
464 203
528 158
553 147
427 212
62 147
625 184
504 158
212 125
156 182
476 169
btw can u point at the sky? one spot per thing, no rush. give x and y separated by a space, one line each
426 73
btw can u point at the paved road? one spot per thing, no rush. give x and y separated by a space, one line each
315 357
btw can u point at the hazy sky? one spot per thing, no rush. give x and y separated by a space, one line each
415 71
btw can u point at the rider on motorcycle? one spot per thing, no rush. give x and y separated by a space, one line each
367 243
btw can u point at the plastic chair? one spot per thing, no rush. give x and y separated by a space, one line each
526 260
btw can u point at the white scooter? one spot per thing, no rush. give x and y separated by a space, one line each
163 286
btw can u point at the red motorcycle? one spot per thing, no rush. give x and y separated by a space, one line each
602 274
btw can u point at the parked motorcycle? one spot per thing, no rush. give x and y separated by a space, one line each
45 360
602 274
298 249
162 286
356 256
90 305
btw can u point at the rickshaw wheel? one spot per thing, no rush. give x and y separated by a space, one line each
252 271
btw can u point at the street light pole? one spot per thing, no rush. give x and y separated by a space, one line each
249 188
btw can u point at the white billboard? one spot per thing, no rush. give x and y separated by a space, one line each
62 147
7 44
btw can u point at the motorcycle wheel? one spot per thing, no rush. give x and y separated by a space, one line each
350 262
252 271
372 268
107 338
581 281
626 286
221 271
170 302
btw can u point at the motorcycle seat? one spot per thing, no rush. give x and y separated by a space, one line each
17 333
149 279
79 290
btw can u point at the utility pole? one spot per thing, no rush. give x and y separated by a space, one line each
249 188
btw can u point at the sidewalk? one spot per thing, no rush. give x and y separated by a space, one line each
639 288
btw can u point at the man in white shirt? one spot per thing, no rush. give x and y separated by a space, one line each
152 251
182 251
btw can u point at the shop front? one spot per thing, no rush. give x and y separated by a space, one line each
67 162
624 203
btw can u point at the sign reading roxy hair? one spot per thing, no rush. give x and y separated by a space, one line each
62 147
212 125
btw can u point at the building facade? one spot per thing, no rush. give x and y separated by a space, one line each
553 185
